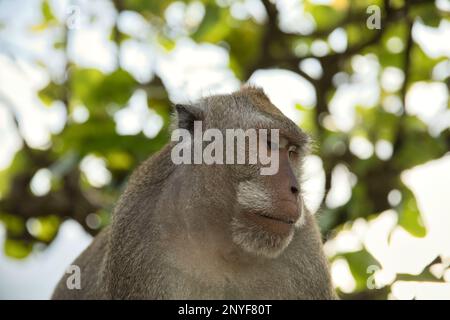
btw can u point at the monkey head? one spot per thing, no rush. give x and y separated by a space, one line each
268 208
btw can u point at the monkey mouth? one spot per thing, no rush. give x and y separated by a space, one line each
277 225
279 219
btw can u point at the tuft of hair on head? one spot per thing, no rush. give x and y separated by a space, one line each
253 89
259 99
256 93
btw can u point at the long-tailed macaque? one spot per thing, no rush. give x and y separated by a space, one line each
211 231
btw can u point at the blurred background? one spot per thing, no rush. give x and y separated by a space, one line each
86 89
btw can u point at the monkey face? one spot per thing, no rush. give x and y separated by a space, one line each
270 206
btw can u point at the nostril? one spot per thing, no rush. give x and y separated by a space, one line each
294 190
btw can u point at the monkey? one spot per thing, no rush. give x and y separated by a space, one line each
211 231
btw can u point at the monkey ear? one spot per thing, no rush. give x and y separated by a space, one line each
187 114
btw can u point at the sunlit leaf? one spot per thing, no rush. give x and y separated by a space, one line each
47 12
51 93
47 228
17 249
409 215
13 224
359 263
213 28
97 90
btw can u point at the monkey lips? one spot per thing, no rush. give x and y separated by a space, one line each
280 223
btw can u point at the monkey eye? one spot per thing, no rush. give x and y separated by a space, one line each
292 151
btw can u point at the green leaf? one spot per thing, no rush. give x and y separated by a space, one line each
97 90
145 7
51 93
47 228
307 123
17 249
98 135
427 13
118 160
409 215
247 32
324 16
422 65
14 225
417 145
359 263
19 163
214 26
167 43
47 12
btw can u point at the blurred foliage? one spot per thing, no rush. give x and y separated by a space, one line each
30 219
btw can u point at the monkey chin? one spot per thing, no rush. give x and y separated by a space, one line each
261 236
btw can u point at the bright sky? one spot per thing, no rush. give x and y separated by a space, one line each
193 70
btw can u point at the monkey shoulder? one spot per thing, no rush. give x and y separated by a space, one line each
90 266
